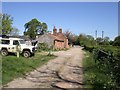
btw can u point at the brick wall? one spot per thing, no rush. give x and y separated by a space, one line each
66 43
58 45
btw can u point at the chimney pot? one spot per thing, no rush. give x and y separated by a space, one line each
60 30
54 31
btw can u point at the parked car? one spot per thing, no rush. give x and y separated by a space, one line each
8 45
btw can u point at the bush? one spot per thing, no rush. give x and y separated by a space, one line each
117 41
89 48
43 47
95 74
109 63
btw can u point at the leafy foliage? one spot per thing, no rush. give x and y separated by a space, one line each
42 47
33 27
0 23
109 64
86 40
106 59
43 28
94 77
117 41
6 23
101 70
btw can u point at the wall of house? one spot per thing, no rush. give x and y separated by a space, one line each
58 45
46 39
62 36
66 43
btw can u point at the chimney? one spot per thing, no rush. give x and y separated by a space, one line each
54 31
60 30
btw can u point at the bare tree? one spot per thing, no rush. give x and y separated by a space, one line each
14 32
67 33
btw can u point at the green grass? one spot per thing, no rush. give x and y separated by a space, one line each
94 77
13 67
88 73
0 70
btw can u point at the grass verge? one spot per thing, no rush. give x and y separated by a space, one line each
94 77
13 67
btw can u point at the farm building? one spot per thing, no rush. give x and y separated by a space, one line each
58 40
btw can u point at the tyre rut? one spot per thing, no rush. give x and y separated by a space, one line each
63 72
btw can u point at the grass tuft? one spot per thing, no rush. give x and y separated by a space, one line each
13 67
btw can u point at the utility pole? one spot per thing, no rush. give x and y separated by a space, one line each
96 34
102 34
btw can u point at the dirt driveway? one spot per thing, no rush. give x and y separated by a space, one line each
65 71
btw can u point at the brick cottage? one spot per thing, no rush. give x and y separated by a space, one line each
58 40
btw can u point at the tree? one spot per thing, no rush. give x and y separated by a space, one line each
0 23
82 39
14 32
91 40
117 41
6 24
90 37
67 33
32 27
111 42
43 28
106 39
71 37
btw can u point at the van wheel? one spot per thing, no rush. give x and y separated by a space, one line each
4 52
26 54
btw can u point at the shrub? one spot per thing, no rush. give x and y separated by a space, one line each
117 41
89 48
109 63
43 47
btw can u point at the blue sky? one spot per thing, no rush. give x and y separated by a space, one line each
77 17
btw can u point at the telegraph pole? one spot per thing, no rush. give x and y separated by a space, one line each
102 34
96 34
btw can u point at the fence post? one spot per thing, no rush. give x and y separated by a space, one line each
17 50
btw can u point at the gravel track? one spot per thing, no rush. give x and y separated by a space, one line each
63 72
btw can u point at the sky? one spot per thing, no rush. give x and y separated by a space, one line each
77 17
60 0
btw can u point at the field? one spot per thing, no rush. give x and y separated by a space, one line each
13 67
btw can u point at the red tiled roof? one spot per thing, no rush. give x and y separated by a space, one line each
57 37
